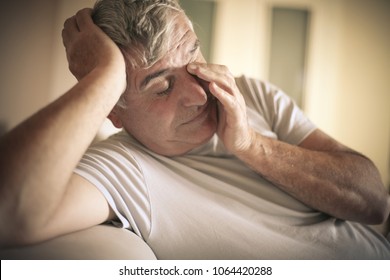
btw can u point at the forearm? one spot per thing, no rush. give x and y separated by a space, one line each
320 172
340 183
39 155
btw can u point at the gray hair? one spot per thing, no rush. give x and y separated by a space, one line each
142 29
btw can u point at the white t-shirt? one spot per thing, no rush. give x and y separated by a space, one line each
208 205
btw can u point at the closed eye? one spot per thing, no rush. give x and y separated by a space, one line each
168 90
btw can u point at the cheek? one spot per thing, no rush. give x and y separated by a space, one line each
162 115
157 117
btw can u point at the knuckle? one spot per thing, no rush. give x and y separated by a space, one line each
69 21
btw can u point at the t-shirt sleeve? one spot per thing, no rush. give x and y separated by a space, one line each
281 113
114 171
289 122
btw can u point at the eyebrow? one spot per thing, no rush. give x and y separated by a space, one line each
152 76
159 73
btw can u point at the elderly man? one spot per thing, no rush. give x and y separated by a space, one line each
207 165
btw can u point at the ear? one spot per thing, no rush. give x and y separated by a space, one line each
114 118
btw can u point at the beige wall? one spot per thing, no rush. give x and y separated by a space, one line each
347 78
26 43
33 68
347 91
62 79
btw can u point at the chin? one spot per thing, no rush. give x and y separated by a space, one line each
183 146
186 141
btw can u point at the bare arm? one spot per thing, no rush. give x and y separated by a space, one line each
38 156
320 172
323 174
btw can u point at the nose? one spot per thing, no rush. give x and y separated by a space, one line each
193 90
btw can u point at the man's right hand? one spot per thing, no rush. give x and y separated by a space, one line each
88 47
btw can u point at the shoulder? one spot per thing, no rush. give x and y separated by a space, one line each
105 160
260 94
279 110
249 84
120 143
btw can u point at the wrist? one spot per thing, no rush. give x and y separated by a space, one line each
111 77
247 145
257 152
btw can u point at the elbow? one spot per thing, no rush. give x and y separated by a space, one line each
11 237
19 233
380 212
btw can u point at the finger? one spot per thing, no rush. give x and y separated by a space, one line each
71 25
74 24
213 73
84 19
200 70
227 100
69 31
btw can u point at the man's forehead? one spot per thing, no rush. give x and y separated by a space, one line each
176 58
181 26
182 40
